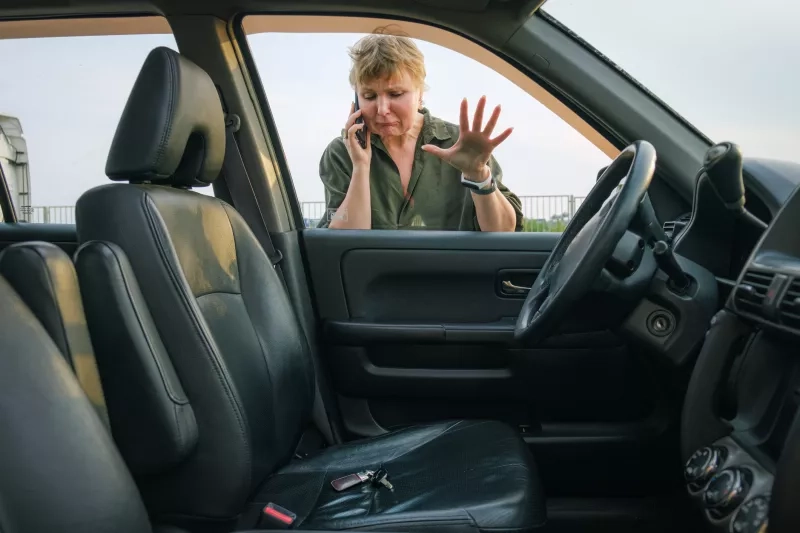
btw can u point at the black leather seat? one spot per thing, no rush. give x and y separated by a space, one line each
44 277
229 328
59 469
151 420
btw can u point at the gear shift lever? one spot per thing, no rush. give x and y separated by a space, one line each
723 166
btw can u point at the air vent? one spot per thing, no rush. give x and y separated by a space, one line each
751 291
789 309
673 227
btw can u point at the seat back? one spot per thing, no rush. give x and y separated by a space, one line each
152 420
44 277
59 470
218 304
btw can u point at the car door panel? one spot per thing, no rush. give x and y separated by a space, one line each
416 328
422 285
64 236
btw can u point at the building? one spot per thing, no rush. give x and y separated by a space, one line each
14 165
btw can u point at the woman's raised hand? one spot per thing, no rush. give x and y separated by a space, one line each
470 154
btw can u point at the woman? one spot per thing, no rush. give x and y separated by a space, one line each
415 171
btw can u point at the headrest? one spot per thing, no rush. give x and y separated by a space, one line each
172 130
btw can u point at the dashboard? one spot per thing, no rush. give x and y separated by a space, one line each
741 415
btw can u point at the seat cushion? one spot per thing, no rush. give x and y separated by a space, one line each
452 476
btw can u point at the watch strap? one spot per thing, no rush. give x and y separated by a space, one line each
488 186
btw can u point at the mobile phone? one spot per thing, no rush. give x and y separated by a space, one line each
361 134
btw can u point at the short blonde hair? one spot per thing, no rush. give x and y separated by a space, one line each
384 55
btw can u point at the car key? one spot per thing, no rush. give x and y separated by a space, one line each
381 476
351 480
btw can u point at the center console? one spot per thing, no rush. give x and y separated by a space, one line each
740 425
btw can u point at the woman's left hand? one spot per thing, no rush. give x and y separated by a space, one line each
470 154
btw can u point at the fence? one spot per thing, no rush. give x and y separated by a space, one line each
542 213
50 214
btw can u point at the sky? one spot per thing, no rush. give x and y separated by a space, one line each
729 66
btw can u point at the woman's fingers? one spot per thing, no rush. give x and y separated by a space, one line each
492 121
500 138
351 131
477 120
351 136
435 150
463 121
352 118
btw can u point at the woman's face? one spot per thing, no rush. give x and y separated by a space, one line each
390 105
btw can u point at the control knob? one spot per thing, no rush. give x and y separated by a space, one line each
703 464
726 490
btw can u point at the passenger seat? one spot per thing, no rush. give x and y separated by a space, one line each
230 330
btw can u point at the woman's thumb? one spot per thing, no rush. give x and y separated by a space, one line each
435 150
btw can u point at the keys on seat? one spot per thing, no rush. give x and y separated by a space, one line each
351 480
381 477
376 477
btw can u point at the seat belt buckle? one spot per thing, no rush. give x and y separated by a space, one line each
276 517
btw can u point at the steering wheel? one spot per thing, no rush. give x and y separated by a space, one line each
587 243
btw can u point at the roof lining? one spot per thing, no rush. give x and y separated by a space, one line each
102 25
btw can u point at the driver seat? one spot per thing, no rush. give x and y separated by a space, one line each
238 350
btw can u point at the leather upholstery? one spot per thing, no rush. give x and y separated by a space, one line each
237 346
454 476
44 277
59 470
172 129
230 330
152 420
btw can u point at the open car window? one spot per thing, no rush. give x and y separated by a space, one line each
546 162
729 67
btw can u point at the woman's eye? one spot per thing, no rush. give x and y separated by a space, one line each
397 95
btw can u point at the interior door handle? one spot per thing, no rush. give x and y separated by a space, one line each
510 288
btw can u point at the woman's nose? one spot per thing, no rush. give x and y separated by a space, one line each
383 105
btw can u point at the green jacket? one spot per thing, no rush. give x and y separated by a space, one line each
437 200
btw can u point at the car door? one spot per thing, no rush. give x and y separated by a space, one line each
417 326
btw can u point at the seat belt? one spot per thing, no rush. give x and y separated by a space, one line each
244 201
243 194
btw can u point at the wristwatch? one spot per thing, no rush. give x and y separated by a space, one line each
483 187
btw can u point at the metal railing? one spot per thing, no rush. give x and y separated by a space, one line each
48 214
541 213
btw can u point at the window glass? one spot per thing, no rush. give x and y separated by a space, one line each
730 67
545 162
60 101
